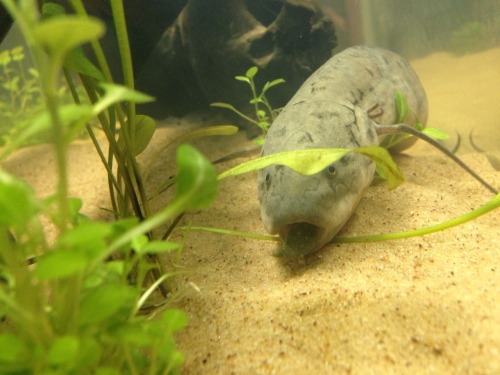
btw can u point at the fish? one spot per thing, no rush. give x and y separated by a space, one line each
346 103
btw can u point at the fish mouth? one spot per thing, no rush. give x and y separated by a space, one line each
301 239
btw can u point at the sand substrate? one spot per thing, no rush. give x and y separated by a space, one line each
422 305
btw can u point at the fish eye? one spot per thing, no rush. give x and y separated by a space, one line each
268 177
331 170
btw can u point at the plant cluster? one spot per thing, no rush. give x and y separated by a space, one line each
264 113
72 304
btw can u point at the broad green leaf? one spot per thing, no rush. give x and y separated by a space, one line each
107 371
312 161
385 162
5 58
306 162
60 264
105 301
252 72
17 201
174 320
139 242
13 349
145 127
87 238
134 333
64 351
196 179
118 93
435 133
63 33
89 353
50 9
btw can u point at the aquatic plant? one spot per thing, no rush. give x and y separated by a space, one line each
73 304
264 113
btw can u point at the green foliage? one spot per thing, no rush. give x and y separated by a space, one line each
264 113
314 160
404 112
75 313
20 98
76 310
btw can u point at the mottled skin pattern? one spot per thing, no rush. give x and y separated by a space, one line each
331 110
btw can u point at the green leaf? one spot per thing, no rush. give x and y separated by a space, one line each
275 82
76 61
435 133
13 349
64 351
73 115
385 162
145 127
223 105
105 301
107 371
306 162
206 132
174 320
196 179
60 264
50 9
17 201
63 33
252 72
118 93
402 108
88 237
312 161
155 247
243 79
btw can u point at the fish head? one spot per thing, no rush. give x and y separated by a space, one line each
308 211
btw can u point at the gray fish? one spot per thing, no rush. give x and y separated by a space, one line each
339 106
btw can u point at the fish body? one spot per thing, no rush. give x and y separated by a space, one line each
338 106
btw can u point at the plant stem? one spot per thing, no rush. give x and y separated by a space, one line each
474 214
126 59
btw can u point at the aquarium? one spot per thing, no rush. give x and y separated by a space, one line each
224 187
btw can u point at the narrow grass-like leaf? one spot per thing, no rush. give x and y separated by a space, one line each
435 133
206 132
402 108
155 247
